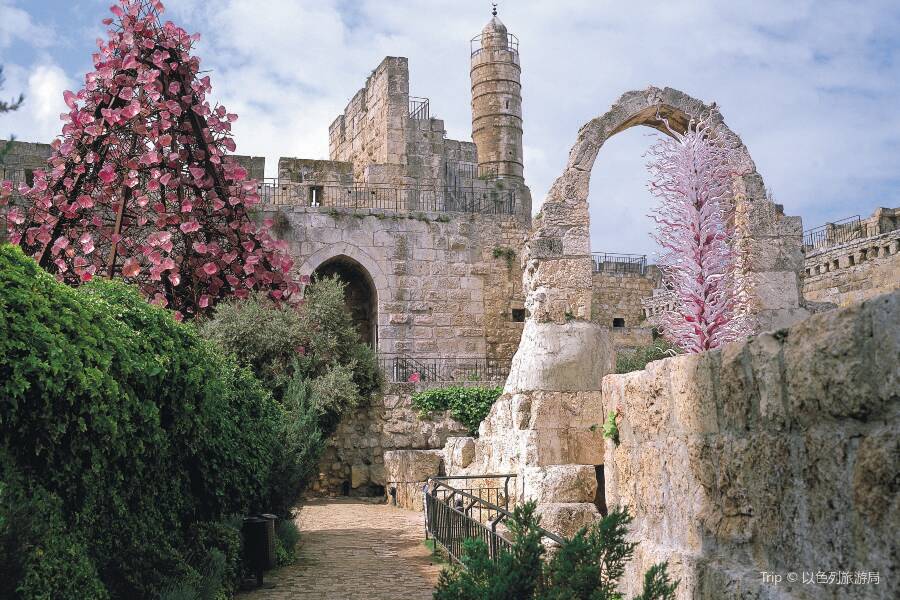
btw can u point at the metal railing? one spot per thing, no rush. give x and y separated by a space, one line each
401 368
419 108
833 234
604 262
456 514
465 199
476 47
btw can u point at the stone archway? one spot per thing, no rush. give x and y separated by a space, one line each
360 294
363 296
557 278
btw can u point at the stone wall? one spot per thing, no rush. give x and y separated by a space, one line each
353 461
441 291
619 296
23 157
779 454
853 271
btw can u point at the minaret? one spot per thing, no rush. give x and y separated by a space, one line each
497 101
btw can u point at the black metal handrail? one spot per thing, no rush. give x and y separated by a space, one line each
419 108
400 368
605 262
450 514
833 234
410 198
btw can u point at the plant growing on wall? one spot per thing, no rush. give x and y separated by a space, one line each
468 405
139 184
691 175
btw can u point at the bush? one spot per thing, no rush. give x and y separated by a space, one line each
468 405
588 567
316 364
137 426
39 558
639 358
287 535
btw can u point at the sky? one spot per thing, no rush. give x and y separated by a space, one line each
811 86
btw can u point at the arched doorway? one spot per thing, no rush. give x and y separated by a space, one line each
360 294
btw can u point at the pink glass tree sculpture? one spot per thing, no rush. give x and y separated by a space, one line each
691 174
139 184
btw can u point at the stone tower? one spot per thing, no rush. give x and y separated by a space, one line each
497 101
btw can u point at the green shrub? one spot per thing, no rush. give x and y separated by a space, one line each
317 366
287 535
639 358
132 420
468 405
39 558
588 567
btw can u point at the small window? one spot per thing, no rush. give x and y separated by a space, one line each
851 261
518 315
315 195
618 322
835 265
29 177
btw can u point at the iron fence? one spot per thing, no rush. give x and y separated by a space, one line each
833 234
399 368
456 514
605 262
465 199
419 108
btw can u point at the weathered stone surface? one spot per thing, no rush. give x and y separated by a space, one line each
359 474
562 357
459 452
566 518
560 483
776 454
406 466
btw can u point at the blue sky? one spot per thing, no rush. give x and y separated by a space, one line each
812 87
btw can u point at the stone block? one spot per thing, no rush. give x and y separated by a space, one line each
566 518
359 475
412 465
560 483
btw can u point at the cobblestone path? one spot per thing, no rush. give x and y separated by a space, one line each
355 549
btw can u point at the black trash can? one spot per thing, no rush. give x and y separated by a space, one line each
259 545
270 537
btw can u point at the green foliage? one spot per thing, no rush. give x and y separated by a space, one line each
588 567
287 535
138 427
468 405
39 558
639 358
610 429
315 364
508 254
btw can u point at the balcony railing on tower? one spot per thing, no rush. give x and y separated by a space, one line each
605 262
409 198
419 108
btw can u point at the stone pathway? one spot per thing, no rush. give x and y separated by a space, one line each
355 549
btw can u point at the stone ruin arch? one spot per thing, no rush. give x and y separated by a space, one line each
544 427
558 270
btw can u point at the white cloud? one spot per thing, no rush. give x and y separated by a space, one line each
17 24
38 117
